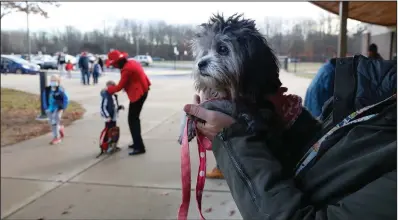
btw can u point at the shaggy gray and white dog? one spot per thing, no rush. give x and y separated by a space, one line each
233 61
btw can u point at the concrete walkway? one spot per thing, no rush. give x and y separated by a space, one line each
66 181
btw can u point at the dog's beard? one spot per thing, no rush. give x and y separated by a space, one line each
212 88
216 82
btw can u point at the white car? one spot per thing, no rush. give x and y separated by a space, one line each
145 60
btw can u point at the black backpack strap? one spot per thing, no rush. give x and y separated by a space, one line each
117 101
48 90
345 86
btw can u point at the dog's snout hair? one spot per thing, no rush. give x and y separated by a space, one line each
233 59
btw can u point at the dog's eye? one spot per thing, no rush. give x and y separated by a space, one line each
223 50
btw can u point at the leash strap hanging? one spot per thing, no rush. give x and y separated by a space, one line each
186 173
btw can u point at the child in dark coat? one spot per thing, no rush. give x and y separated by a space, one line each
109 111
96 72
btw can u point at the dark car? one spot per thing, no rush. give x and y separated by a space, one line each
13 64
157 59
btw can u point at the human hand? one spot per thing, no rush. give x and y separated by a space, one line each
214 121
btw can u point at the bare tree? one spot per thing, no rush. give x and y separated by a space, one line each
304 38
8 7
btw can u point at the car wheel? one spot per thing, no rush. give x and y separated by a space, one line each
18 71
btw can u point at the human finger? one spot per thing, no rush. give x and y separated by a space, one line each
205 129
196 99
197 111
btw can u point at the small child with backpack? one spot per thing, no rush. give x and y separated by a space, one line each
69 68
55 101
96 72
109 111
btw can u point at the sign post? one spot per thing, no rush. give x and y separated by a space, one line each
176 53
43 84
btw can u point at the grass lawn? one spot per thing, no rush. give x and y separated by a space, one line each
304 67
19 111
305 75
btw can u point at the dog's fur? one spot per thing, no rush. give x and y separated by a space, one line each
233 61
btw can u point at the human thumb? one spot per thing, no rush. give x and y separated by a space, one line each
196 99
196 111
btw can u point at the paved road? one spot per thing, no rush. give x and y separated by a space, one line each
67 181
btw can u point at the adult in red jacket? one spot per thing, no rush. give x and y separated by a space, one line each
136 84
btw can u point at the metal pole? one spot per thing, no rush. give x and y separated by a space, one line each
43 84
27 26
295 65
342 41
138 45
286 61
105 52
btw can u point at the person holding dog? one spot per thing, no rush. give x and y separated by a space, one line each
347 172
136 84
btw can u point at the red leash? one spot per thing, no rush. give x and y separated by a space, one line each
203 145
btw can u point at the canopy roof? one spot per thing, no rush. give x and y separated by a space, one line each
374 12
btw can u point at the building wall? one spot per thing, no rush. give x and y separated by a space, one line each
382 37
383 42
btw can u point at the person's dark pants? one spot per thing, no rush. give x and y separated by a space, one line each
135 123
85 77
95 78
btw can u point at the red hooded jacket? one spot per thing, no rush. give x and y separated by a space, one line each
133 80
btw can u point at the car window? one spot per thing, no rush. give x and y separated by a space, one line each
5 60
20 60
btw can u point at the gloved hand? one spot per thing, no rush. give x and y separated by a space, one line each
121 107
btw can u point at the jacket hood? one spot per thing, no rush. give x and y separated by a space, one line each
104 93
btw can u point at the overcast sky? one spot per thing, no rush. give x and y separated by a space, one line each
91 15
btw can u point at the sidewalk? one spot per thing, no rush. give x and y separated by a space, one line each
66 181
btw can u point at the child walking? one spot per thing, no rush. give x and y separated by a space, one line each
69 68
109 111
55 101
96 72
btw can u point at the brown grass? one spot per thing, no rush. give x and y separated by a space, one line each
19 111
305 75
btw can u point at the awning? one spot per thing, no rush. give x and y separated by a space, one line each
374 12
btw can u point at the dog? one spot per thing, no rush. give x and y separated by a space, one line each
234 62
238 71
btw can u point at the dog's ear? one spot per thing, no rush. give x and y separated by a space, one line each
261 68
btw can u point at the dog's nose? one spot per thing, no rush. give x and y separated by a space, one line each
202 64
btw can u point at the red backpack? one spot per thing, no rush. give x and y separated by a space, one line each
109 144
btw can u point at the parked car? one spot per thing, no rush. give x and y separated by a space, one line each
45 61
13 64
157 59
145 60
49 63
37 60
294 60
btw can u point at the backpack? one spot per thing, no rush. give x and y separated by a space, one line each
109 144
